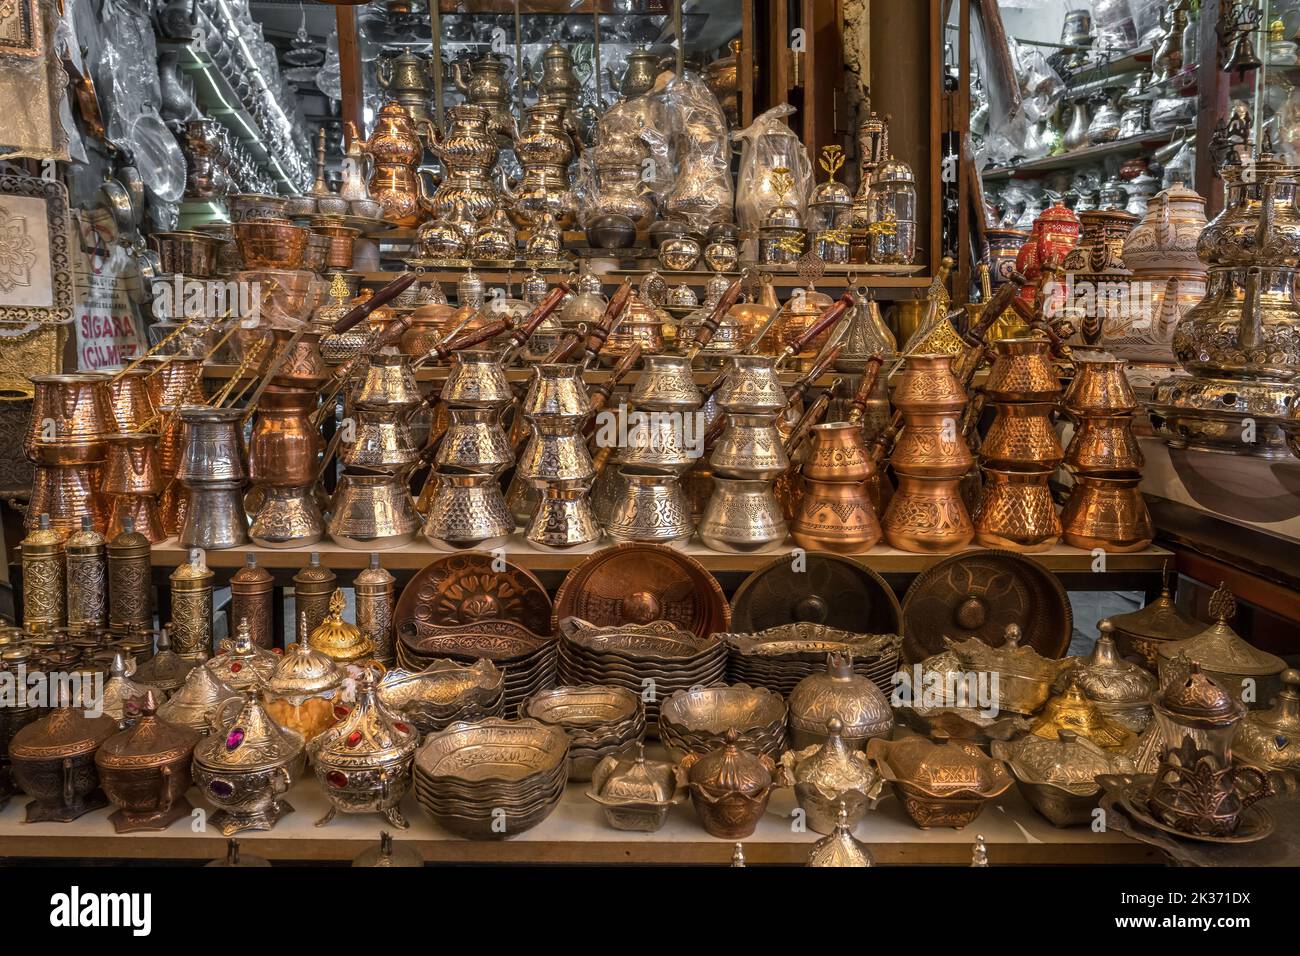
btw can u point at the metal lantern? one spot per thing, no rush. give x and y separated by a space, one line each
893 223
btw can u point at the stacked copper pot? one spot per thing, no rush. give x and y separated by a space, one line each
172 382
212 472
1106 509
372 506
930 458
743 513
556 461
132 483
72 416
465 504
836 511
1021 450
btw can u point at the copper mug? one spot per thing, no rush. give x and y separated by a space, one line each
1022 372
836 516
285 446
128 395
1016 511
1100 387
132 465
927 516
927 385
931 446
1107 513
838 452
70 416
1104 445
1023 437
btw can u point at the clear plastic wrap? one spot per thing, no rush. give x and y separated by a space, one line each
769 144
32 85
1115 26
701 193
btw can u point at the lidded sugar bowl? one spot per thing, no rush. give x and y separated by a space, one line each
841 848
1121 689
198 702
1025 677
53 761
1271 738
247 765
1059 777
1071 710
364 762
634 792
241 664
729 787
941 785
145 771
831 777
300 694
338 639
838 694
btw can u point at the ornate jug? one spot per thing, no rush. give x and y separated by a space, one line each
469 151
484 84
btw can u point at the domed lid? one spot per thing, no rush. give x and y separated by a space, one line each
65 732
303 671
152 742
248 739
315 574
196 703
1069 761
166 670
783 215
1220 650
1073 711
844 695
1179 193
729 769
620 780
1159 621
368 736
374 575
122 695
1194 699
44 541
841 848
1012 658
832 767
340 639
87 540
251 573
195 570
1107 678
1271 738
241 663
893 171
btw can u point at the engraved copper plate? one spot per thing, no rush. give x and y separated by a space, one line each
825 589
977 594
464 588
640 583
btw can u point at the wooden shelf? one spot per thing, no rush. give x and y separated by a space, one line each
412 557
576 832
1079 157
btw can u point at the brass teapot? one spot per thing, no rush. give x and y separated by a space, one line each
484 83
395 148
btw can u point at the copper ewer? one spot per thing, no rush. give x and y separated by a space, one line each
1107 513
1016 511
67 493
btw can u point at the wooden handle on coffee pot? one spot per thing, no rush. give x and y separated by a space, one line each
800 388
811 416
549 304
600 397
828 318
709 327
475 337
563 352
385 295
866 385
599 333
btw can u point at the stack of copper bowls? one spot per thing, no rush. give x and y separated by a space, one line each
528 659
930 458
627 655
601 721
491 779
1106 509
780 657
697 720
72 415
1021 451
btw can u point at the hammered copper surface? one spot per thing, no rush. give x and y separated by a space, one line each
976 594
640 583
465 588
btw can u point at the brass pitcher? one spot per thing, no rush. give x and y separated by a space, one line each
1107 513
468 150
1016 511
475 442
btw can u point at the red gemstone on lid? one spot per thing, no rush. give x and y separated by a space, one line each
404 728
340 711
236 667
337 779
354 738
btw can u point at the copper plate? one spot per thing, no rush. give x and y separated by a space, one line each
830 589
463 588
640 583
977 594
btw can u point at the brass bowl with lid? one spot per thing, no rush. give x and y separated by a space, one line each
729 786
145 771
1142 632
1072 711
53 761
839 693
302 690
1271 738
830 779
1121 689
196 704
941 785
1059 777
635 793
1025 677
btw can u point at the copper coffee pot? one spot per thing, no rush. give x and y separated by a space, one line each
1016 511
1107 513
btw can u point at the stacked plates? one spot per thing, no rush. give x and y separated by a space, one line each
528 659
601 721
696 721
780 657
491 779
444 692
640 656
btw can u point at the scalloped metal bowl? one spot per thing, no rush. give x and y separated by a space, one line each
779 657
696 720
444 692
600 719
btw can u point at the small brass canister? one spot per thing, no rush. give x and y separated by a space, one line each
375 588
43 577
191 628
312 588
130 598
251 591
87 577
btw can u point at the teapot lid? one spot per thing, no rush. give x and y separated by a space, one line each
1194 699
152 742
251 740
730 769
840 848
369 734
